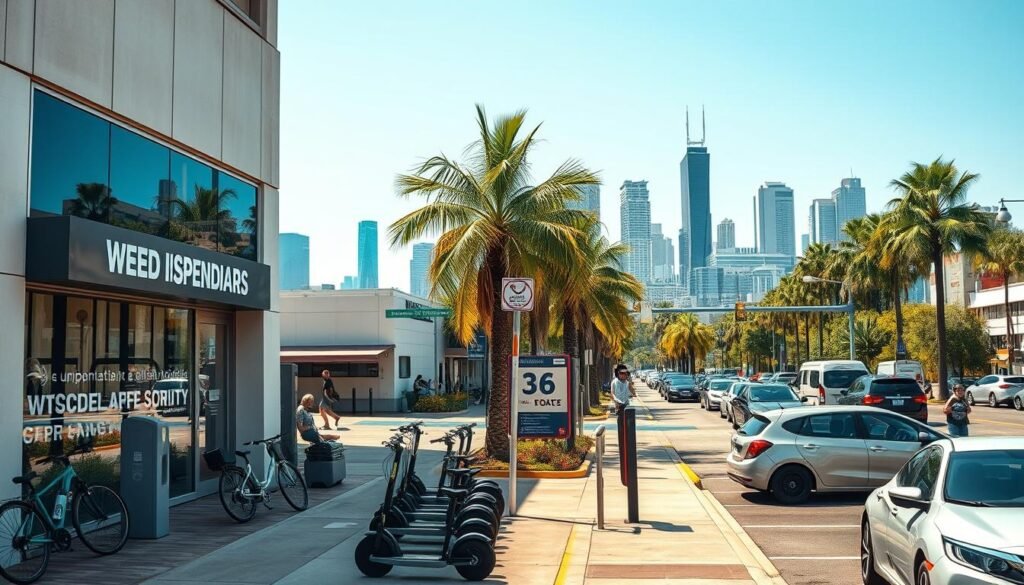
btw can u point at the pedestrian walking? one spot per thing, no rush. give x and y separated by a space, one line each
956 411
328 399
622 388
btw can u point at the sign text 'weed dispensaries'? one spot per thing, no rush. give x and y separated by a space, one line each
544 398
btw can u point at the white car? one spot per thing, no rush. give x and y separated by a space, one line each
734 390
953 514
995 390
1018 400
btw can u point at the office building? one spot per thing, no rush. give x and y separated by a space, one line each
294 258
805 242
419 269
367 254
684 261
706 286
116 126
635 214
775 228
739 266
726 235
666 292
821 222
850 203
350 283
590 200
695 195
662 256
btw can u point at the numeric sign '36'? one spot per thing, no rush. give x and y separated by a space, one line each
543 397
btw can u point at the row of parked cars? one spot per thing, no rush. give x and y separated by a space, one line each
941 509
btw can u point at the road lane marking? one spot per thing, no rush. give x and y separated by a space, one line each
802 526
563 567
814 558
975 420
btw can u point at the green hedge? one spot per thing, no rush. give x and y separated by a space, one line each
442 403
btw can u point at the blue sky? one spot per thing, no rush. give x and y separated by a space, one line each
795 91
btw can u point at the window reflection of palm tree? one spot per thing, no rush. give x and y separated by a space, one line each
203 213
93 201
249 225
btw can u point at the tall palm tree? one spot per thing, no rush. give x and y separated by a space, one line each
1004 257
206 212
93 201
932 219
493 222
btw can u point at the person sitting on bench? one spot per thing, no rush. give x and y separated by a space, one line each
307 426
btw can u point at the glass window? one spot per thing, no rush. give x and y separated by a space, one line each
238 217
994 477
883 427
842 378
195 202
70 161
771 394
140 181
403 366
910 473
814 379
895 387
834 426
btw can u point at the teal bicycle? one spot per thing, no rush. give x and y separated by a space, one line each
29 532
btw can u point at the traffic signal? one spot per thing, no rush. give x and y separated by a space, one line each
741 311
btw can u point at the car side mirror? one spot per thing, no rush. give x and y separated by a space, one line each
908 497
926 438
805 399
844 392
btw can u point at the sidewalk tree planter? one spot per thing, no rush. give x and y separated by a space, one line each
543 458
456 402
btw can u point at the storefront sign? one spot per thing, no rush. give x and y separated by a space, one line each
76 251
477 349
542 392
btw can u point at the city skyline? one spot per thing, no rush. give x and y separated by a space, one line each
294 259
368 255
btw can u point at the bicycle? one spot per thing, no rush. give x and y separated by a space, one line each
27 534
240 490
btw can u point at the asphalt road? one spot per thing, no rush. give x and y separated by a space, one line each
812 544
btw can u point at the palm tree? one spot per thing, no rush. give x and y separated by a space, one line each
1004 257
206 212
817 261
869 338
93 201
932 219
493 223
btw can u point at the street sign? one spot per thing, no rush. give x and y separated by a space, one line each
901 349
418 313
517 294
741 311
543 396
477 347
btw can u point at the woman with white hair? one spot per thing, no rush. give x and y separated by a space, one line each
307 426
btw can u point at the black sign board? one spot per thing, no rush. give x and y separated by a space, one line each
75 251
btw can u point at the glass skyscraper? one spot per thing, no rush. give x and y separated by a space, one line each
294 261
726 235
821 222
775 229
368 254
590 200
419 268
850 203
695 192
635 214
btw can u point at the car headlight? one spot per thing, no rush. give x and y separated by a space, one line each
993 562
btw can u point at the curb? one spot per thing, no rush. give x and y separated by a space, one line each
596 417
582 471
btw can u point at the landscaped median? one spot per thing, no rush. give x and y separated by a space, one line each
542 459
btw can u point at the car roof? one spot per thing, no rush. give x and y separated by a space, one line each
986 443
835 365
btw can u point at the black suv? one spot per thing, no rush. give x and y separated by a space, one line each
897 394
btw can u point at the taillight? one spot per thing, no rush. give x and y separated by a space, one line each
757 447
873 400
921 399
821 394
1005 386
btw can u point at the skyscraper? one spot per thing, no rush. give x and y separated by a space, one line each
821 222
850 203
805 242
662 256
368 254
635 214
726 235
350 283
294 261
695 193
776 232
419 267
590 200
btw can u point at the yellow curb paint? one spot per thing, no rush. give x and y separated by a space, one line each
689 473
577 473
563 568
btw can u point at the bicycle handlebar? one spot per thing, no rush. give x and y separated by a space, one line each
267 440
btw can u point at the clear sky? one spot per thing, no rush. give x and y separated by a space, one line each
795 91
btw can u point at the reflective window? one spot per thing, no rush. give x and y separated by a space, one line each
238 217
70 161
140 181
196 205
835 426
882 427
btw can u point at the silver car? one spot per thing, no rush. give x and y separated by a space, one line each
734 389
712 397
953 514
794 452
1018 400
995 390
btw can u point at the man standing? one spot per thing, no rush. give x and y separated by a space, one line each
328 398
622 388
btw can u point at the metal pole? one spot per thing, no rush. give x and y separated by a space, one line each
513 429
433 323
852 310
600 476
632 489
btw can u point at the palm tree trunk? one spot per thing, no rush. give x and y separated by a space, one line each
807 335
570 343
501 348
821 334
1009 323
940 317
897 303
534 336
796 330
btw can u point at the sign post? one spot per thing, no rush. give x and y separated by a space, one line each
516 296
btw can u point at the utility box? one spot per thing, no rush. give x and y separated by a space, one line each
145 475
325 464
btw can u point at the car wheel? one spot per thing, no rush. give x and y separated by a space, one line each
721 411
992 401
923 576
701 400
1018 404
868 574
970 399
792 485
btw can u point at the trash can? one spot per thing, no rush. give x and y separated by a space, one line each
325 464
410 400
145 475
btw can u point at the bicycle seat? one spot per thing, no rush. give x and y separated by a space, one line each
452 492
242 453
27 478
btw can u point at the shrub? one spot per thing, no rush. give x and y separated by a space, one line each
547 455
442 402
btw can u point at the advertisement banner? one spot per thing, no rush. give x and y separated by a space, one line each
545 401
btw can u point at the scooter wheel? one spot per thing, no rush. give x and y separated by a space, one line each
482 559
365 550
486 516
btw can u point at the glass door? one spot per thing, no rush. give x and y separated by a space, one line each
215 393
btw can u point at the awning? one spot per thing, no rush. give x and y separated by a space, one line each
332 354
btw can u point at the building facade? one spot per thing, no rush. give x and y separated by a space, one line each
662 256
706 286
590 200
367 262
776 231
850 201
294 255
805 242
419 269
821 222
130 285
726 235
350 283
695 195
635 214
739 266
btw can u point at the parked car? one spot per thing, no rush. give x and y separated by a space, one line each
784 377
823 381
904 368
965 380
762 398
680 387
724 407
903 395
1018 400
995 390
823 449
953 514
711 397
660 383
652 380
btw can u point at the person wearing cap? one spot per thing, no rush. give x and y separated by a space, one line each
622 388
956 411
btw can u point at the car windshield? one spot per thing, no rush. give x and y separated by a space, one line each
720 384
754 426
986 478
679 379
895 387
772 394
841 378
1014 380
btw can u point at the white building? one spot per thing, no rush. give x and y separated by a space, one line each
775 230
635 214
989 305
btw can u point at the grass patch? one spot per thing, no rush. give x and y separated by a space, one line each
544 455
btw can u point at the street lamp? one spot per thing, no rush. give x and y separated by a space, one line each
849 306
1004 214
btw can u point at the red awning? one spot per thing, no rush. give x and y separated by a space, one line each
333 354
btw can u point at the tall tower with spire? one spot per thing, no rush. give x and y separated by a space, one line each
695 195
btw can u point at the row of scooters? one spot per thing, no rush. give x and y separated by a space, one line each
455 524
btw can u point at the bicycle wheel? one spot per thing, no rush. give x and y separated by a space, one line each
100 519
24 543
237 505
293 487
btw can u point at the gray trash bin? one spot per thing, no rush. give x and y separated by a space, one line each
325 464
145 475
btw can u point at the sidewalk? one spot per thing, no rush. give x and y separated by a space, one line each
683 537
